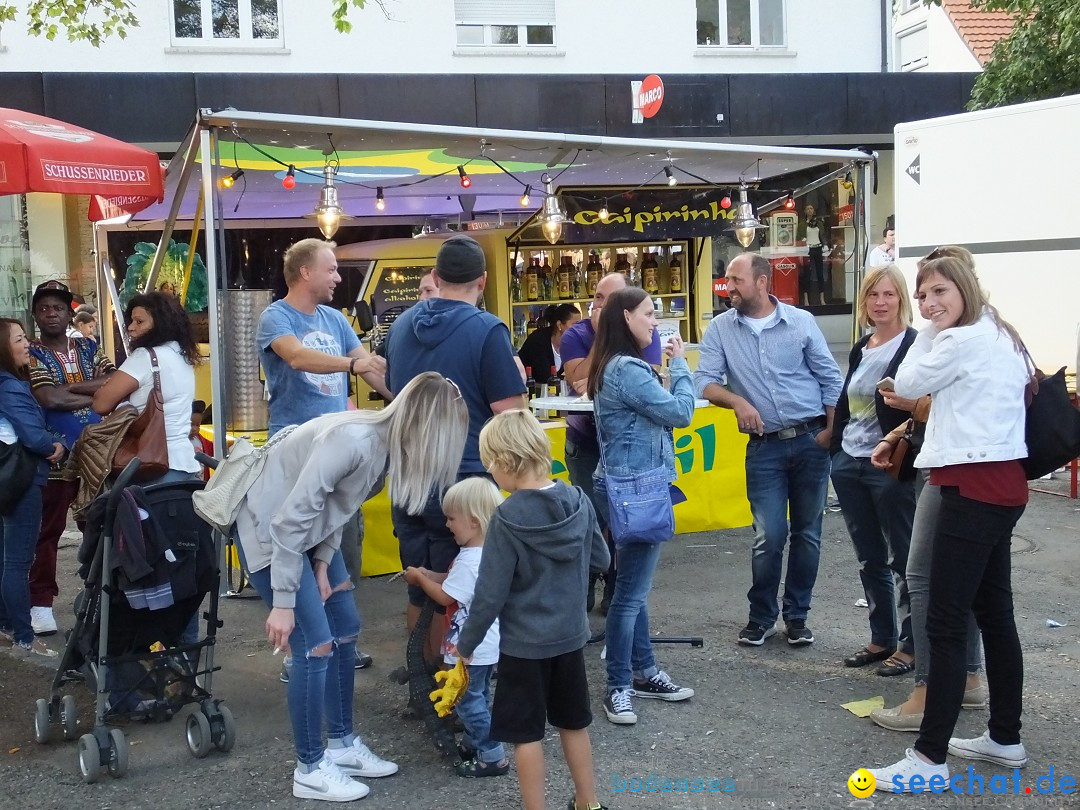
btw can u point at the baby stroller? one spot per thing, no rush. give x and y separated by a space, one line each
127 641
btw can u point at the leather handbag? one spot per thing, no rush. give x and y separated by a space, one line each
1052 425
639 505
145 438
904 452
17 468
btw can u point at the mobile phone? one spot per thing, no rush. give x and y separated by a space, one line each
887 384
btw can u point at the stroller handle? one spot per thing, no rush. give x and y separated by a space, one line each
207 461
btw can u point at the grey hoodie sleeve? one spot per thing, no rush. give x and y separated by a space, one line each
497 566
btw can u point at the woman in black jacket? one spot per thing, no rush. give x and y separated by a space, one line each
540 351
878 508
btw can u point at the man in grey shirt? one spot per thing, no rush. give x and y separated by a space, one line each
783 384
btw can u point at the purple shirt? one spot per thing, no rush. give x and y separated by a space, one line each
576 344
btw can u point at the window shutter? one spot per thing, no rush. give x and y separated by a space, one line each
503 12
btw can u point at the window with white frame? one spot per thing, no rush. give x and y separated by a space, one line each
505 23
908 5
741 23
227 22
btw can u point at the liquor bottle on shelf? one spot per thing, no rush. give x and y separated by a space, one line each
515 286
579 281
566 278
519 329
531 325
593 271
650 274
546 280
532 279
675 273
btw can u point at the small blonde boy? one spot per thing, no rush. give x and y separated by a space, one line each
541 544
468 506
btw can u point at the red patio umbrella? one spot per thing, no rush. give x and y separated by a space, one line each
43 154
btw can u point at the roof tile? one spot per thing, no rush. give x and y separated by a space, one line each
980 30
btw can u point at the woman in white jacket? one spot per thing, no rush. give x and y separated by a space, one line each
973 364
289 527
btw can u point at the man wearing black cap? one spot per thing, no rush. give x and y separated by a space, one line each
450 335
64 374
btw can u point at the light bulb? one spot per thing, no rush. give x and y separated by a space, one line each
230 180
328 213
670 176
526 201
552 229
380 200
745 236
466 181
605 215
289 180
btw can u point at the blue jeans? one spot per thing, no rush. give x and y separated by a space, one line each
782 476
18 539
879 511
318 684
474 712
581 464
629 649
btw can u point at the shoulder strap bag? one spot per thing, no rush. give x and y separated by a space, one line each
145 438
639 505
17 468
1052 425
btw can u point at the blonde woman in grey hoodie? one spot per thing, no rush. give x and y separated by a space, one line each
290 537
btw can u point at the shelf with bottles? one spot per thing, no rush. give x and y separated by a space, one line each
569 274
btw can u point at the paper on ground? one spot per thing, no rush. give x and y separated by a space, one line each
862 708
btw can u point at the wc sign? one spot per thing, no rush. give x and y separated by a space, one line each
646 98
914 171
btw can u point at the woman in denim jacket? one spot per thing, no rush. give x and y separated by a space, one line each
634 420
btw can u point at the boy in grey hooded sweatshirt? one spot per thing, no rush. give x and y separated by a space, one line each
541 545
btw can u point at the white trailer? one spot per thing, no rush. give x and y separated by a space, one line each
1004 183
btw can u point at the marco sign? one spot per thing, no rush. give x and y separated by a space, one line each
646 97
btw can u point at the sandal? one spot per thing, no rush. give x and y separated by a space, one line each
895 666
474 768
866 656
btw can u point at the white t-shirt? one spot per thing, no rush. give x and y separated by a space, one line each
759 325
863 431
177 393
813 236
460 584
879 258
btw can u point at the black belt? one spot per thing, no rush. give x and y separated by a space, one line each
791 432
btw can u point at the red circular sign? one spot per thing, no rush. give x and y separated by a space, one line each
651 96
719 286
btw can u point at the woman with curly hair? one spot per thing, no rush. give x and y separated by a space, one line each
156 322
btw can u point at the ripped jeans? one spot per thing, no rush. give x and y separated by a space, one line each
318 684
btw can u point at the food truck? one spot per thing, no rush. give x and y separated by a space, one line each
604 206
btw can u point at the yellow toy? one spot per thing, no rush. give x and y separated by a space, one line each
456 682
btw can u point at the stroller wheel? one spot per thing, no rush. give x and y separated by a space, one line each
89 758
225 739
69 717
199 739
41 721
118 753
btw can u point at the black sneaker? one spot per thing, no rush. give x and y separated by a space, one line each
661 687
798 634
754 634
618 708
363 660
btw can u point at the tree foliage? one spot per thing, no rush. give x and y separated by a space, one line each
94 21
1039 59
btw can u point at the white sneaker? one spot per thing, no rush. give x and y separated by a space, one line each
327 783
897 777
358 760
984 748
42 620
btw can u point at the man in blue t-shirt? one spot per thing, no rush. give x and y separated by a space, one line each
451 335
308 350
582 453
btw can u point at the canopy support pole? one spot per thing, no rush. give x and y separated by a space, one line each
174 210
213 278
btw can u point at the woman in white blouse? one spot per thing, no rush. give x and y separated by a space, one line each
157 321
